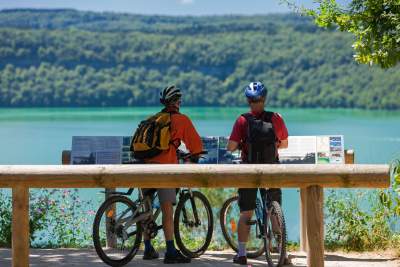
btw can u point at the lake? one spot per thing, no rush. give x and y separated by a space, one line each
38 135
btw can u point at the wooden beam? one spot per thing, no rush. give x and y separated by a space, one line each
199 175
315 226
20 226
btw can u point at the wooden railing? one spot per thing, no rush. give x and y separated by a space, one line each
311 178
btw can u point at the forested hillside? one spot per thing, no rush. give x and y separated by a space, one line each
72 58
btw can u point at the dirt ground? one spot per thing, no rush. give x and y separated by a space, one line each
89 258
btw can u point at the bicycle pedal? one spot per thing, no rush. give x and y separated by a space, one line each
251 222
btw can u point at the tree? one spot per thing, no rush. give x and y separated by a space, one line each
374 23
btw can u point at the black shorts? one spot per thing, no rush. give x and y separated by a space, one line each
247 197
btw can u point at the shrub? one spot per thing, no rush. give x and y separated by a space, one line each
58 218
352 227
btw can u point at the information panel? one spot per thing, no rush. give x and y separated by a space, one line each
327 149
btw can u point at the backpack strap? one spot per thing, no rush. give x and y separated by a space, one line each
175 142
267 116
248 116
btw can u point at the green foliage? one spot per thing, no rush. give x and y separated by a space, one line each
58 218
352 228
5 220
72 58
374 23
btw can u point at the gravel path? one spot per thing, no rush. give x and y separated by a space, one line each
88 258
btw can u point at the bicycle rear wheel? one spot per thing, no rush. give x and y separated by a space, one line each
229 216
275 239
114 215
193 224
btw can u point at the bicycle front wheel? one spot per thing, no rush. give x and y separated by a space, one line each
229 217
275 238
116 239
193 224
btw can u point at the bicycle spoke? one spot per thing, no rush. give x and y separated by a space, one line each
276 242
193 224
118 243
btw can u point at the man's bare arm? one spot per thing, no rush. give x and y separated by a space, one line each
283 144
232 145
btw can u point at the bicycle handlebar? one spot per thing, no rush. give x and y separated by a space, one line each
188 156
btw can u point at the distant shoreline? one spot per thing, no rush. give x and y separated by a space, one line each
69 58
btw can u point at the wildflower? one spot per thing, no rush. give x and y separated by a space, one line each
65 193
91 212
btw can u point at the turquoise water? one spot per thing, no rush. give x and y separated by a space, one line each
37 136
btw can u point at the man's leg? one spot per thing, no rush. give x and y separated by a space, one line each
167 199
149 252
243 231
168 226
247 204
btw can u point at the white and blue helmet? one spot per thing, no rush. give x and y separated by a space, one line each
255 91
170 94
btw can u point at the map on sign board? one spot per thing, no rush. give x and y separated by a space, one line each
313 150
216 151
301 150
330 149
96 150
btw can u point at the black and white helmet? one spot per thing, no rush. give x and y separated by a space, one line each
170 94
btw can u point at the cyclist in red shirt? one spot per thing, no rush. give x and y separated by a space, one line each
256 95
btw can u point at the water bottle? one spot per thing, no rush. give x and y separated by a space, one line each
156 203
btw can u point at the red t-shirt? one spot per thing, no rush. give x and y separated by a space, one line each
239 131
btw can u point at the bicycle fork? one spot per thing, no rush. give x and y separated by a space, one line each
194 209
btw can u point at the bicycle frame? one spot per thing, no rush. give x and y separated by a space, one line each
145 209
262 194
145 204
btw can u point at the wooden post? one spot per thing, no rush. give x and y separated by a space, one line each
349 159
349 156
66 157
111 238
315 226
303 219
20 226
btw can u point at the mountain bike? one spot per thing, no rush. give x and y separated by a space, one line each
267 228
123 220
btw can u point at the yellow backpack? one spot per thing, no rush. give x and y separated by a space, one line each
152 136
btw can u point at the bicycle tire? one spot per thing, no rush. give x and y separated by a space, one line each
233 243
193 253
276 211
113 200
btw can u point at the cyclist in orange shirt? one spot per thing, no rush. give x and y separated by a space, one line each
181 129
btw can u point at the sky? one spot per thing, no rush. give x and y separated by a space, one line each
164 7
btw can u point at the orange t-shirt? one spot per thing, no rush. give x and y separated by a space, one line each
182 129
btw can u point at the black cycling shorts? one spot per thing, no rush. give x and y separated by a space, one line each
247 197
